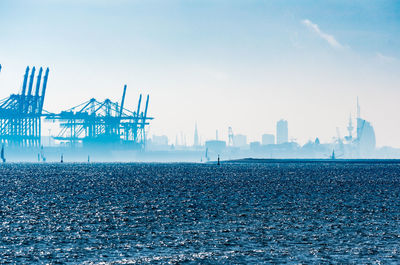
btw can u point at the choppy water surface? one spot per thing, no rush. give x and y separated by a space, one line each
177 213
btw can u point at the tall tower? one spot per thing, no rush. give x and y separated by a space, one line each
196 136
350 128
230 136
360 122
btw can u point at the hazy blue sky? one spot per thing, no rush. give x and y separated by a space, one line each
244 64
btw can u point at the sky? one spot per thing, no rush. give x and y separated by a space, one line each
244 64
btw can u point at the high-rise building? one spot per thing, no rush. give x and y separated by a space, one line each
365 135
255 146
240 140
267 139
216 146
230 136
282 132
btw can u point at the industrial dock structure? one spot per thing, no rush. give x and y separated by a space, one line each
89 125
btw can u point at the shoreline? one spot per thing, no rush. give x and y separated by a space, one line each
311 160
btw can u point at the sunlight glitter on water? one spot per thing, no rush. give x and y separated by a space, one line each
174 213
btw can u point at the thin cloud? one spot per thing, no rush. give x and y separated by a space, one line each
327 37
385 59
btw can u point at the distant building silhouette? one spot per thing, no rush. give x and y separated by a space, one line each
350 129
160 139
240 140
215 146
196 136
365 137
282 132
255 146
230 136
267 139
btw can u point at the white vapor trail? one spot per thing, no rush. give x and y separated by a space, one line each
328 38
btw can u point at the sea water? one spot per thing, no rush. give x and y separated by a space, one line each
200 213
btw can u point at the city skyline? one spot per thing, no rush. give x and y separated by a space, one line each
269 136
249 65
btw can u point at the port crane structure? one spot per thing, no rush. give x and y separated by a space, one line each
20 114
92 122
103 122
